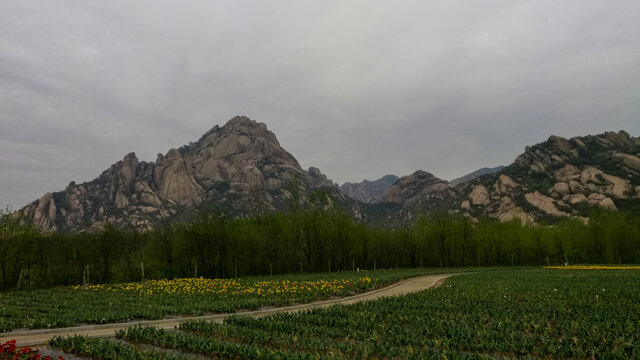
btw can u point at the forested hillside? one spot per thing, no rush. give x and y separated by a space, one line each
305 240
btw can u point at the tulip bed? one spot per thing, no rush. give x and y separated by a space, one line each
156 299
9 351
541 313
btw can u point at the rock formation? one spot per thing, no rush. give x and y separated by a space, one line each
420 190
558 178
242 169
479 195
551 180
239 167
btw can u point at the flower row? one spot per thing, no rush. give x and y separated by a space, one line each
593 267
228 286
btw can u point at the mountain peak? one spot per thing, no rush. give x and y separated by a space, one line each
239 167
237 125
246 126
418 190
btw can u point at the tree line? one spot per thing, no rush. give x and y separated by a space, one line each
302 241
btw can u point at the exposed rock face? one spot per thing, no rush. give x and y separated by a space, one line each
479 195
596 198
505 185
561 189
608 204
176 181
420 190
567 173
239 167
543 203
628 160
576 187
577 199
505 209
44 211
368 191
515 213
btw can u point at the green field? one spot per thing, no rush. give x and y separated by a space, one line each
62 307
500 314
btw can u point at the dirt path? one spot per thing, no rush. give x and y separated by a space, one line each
38 338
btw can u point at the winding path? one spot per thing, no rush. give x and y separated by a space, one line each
38 338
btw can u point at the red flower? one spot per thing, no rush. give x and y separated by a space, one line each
8 352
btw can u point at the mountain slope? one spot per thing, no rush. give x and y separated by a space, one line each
239 167
368 191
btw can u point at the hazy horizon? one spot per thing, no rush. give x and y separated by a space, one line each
358 89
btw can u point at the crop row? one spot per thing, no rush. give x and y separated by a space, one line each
98 348
99 304
503 314
524 314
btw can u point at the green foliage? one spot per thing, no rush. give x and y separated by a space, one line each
222 187
631 206
318 238
20 246
540 181
514 171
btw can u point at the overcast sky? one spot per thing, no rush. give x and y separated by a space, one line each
359 89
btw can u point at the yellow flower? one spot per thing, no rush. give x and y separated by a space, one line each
593 267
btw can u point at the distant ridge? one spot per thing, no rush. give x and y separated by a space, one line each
369 192
475 174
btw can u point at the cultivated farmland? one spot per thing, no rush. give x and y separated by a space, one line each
539 313
156 299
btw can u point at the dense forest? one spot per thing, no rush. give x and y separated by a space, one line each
304 240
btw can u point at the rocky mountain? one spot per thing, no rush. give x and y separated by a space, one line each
559 178
239 167
419 190
410 195
369 192
242 169
555 179
475 174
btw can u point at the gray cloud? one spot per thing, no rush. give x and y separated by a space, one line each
358 88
